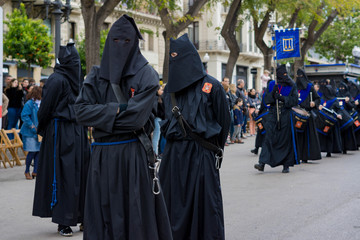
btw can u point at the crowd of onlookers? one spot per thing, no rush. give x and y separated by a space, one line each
243 106
21 101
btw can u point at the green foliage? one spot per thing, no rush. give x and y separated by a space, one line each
27 39
337 42
80 45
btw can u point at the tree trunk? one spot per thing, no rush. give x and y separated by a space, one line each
268 57
166 58
92 37
228 33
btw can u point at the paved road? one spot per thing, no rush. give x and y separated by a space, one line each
317 201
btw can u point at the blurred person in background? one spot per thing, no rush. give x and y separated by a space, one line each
15 94
29 130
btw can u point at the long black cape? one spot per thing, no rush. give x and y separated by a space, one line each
278 146
191 182
119 199
72 155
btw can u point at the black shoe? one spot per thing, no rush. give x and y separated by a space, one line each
286 170
254 151
328 155
344 152
304 161
81 227
65 231
259 166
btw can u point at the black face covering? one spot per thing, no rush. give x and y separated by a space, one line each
122 57
329 92
283 77
70 66
301 79
343 90
354 89
186 68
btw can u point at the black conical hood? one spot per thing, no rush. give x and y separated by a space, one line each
282 76
70 66
301 79
122 57
186 68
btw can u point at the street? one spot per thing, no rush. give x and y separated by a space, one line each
319 200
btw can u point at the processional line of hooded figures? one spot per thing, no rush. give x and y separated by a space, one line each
118 188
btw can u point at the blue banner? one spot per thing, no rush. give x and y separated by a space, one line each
287 43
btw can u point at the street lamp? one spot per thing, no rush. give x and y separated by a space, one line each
206 59
356 54
58 13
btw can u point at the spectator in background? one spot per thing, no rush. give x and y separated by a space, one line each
232 101
29 128
246 114
7 81
265 77
227 90
42 82
160 115
240 93
252 108
226 81
15 95
5 103
237 121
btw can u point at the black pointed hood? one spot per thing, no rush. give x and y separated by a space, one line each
328 93
282 76
354 89
301 79
70 66
343 90
122 57
186 68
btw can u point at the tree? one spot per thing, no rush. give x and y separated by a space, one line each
228 33
167 10
81 46
27 39
316 16
94 15
339 39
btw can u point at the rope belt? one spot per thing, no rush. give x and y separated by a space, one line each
54 199
112 143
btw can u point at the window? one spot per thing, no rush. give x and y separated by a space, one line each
193 32
72 30
151 42
47 22
239 39
191 2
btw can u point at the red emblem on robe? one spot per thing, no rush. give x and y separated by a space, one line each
207 87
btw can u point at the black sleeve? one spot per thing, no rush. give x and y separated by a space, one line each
221 110
292 99
89 112
140 106
50 97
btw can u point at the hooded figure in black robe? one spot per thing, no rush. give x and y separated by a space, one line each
330 143
120 203
354 89
279 147
347 105
60 189
308 144
261 131
191 181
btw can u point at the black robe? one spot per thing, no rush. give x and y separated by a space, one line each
278 146
120 203
308 144
348 138
263 113
190 180
72 155
331 143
